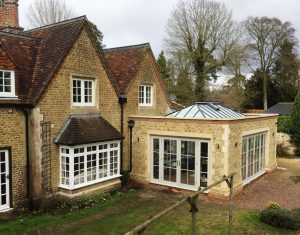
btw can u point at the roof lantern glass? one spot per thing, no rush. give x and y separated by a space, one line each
209 110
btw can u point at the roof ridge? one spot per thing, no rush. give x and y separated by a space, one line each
146 45
20 35
57 23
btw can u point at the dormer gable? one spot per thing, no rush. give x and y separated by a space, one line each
6 60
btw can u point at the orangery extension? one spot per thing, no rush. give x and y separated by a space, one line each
197 145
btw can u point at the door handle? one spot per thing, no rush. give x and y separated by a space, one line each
7 177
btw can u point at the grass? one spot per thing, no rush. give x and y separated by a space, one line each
122 213
41 221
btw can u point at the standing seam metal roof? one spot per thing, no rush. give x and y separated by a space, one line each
207 110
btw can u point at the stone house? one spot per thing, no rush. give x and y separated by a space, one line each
73 116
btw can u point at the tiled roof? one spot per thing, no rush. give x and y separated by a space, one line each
284 108
22 51
124 62
207 110
87 128
38 54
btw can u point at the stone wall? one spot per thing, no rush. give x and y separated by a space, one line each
147 74
12 129
223 134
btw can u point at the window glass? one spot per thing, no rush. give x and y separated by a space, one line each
65 170
7 88
83 91
253 155
145 95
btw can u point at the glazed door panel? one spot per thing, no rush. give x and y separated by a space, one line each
4 180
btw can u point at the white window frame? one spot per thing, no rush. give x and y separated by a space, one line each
12 93
144 98
71 155
258 161
198 158
82 89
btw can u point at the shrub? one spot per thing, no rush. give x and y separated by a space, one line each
125 177
295 119
283 150
272 205
90 201
282 218
284 124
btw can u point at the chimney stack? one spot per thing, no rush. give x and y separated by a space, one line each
9 16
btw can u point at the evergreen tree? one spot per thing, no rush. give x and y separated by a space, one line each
184 89
164 70
97 32
285 72
254 93
295 130
235 92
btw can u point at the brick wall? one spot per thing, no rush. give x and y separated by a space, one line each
12 129
9 14
146 75
55 105
225 154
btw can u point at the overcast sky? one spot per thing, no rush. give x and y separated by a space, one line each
129 22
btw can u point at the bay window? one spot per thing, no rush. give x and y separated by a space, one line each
88 164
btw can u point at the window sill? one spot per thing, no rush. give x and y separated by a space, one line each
146 106
89 183
84 107
8 97
253 177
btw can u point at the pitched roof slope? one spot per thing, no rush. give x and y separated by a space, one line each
56 41
283 108
87 128
39 53
124 62
22 51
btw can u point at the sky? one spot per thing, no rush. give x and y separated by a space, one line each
130 22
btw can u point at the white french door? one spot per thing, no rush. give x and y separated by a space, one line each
179 162
253 156
4 180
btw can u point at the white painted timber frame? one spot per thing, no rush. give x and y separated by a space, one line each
71 156
5 181
178 184
12 93
82 88
144 102
262 158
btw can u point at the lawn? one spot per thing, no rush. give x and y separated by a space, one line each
121 213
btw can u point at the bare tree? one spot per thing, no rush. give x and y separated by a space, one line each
265 37
44 12
203 31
